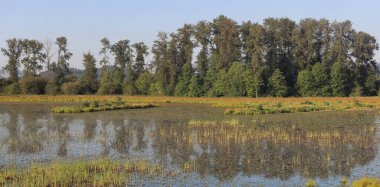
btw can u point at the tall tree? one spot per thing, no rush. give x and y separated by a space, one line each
33 58
141 51
279 47
13 52
62 67
160 61
90 78
255 47
203 31
123 60
307 46
227 41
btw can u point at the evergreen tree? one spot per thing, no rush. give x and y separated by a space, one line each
305 83
340 80
236 81
321 80
141 51
277 84
195 87
182 88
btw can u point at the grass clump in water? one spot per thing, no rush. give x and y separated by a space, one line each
96 106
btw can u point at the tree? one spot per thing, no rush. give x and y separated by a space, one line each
90 78
277 84
321 80
105 60
141 51
305 83
182 88
13 52
49 55
236 82
61 68
307 44
195 87
143 83
340 80
123 60
255 83
202 35
160 63
34 57
227 41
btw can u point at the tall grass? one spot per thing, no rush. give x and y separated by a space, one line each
97 172
246 106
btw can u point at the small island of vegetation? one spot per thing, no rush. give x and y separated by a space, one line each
96 106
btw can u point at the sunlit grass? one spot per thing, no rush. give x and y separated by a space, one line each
366 182
242 106
97 172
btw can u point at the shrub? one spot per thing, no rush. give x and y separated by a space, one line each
33 85
12 89
71 88
4 83
51 88
129 89
85 104
110 88
156 89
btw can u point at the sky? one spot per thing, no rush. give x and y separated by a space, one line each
85 22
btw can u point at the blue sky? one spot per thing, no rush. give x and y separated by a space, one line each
85 22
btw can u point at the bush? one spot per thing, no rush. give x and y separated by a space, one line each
156 89
12 89
51 88
71 88
109 88
129 89
33 85
4 83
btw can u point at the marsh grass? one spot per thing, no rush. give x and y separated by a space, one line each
97 106
97 172
239 106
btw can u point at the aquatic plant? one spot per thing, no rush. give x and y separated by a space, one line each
96 172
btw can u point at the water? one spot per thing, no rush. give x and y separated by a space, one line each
266 150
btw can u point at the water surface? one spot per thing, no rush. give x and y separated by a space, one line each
267 150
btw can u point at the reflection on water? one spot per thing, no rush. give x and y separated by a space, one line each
322 144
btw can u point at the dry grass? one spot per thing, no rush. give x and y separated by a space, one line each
244 106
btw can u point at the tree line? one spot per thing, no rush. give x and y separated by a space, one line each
314 57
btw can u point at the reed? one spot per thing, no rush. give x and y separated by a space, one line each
97 106
242 106
97 172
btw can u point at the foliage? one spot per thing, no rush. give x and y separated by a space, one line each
72 88
33 85
279 57
277 84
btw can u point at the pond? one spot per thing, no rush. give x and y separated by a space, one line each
206 147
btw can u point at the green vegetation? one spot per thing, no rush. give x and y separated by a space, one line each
96 172
96 106
311 58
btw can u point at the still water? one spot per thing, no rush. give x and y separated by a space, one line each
265 150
